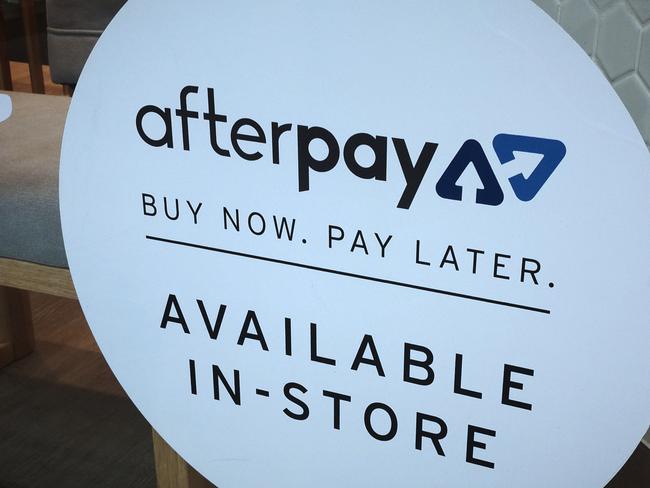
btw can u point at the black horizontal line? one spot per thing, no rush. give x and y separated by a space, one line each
260 392
352 275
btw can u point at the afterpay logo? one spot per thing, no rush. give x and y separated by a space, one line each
248 140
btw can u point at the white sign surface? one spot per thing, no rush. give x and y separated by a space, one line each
5 107
363 243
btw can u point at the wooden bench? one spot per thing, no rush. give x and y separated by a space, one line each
19 276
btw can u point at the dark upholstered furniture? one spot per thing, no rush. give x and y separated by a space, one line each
73 27
22 38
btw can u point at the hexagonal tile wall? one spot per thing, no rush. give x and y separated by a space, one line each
579 18
616 35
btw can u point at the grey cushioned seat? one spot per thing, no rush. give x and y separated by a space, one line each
30 144
73 27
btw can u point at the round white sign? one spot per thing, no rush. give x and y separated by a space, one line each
370 243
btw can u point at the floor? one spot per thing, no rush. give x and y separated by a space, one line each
64 420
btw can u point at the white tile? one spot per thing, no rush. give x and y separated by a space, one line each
636 97
603 4
618 40
641 9
551 7
579 19
644 57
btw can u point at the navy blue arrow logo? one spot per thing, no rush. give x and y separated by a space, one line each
553 151
472 153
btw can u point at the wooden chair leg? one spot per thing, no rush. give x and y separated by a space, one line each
5 69
172 471
33 46
16 328
68 90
